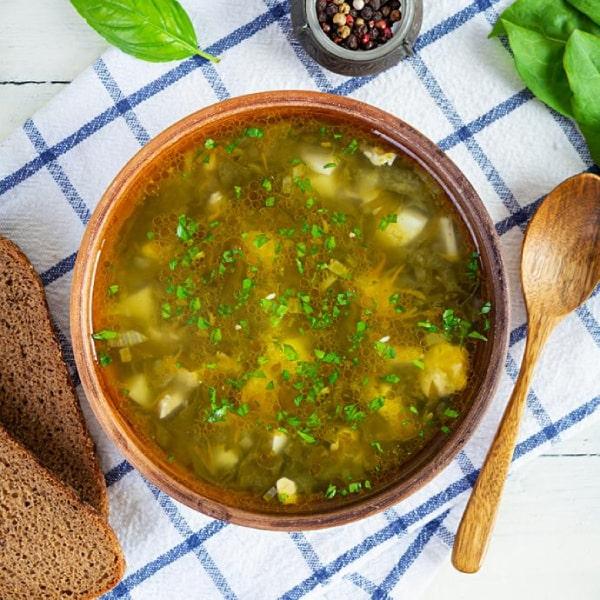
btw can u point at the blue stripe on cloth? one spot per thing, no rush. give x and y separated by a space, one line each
151 89
306 549
360 581
56 171
200 551
62 267
117 473
122 103
497 112
167 558
214 80
446 536
408 558
466 466
590 322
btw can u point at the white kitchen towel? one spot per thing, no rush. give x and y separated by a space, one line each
461 90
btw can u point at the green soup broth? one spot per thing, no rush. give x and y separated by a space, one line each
290 312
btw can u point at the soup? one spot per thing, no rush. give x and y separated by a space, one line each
290 313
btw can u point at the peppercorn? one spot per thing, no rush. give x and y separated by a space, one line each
339 19
349 20
385 10
326 27
352 42
345 8
366 13
395 15
331 10
344 32
321 5
358 4
375 4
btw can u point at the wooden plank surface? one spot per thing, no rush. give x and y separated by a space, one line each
547 543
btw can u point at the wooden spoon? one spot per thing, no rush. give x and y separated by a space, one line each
560 266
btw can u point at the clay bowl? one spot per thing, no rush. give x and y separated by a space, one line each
116 205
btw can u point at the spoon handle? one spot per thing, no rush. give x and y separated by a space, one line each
477 522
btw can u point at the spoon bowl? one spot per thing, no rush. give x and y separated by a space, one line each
561 254
560 268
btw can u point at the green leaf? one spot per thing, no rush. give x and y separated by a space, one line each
553 19
539 61
582 64
591 8
152 30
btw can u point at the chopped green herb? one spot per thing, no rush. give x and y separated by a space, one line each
270 201
330 491
186 228
113 289
202 323
417 362
216 336
377 446
307 437
150 235
477 336
377 403
266 184
237 190
427 326
260 240
385 351
330 165
104 359
105 334
391 378
254 132
209 144
352 147
451 413
473 265
388 220
303 184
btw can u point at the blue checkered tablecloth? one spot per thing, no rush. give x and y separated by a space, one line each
461 90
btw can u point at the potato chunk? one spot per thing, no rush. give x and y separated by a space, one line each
408 226
445 372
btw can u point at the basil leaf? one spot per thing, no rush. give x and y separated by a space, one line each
152 30
582 64
554 19
591 8
539 62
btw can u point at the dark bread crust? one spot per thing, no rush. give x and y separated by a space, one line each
38 403
53 546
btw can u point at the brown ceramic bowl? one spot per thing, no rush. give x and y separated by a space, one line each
116 205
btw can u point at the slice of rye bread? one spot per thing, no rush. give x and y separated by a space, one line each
52 545
38 404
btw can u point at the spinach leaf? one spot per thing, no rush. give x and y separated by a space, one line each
539 61
553 19
582 64
589 7
153 30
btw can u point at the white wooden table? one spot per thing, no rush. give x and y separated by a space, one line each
547 541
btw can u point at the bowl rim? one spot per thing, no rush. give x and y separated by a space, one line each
467 204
